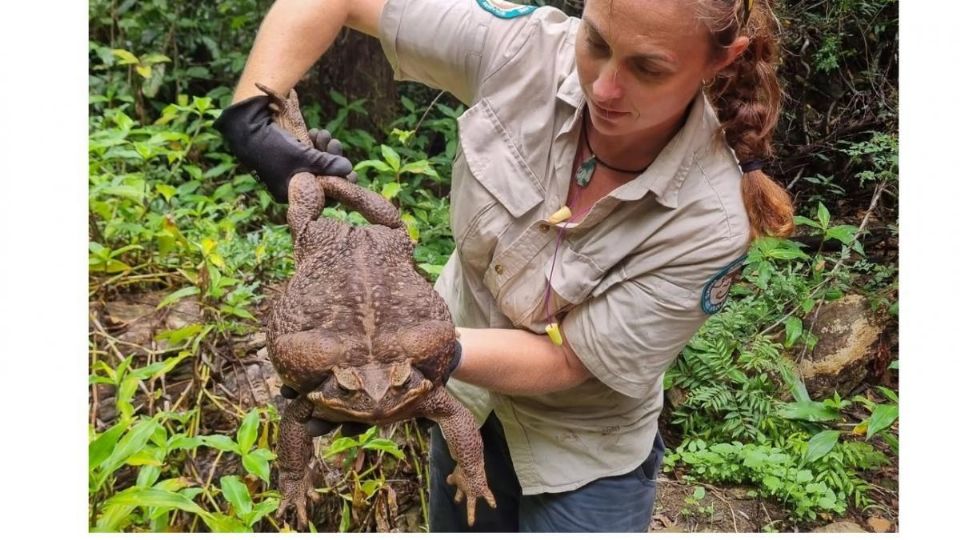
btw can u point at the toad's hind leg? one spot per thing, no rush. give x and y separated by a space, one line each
466 446
293 457
373 206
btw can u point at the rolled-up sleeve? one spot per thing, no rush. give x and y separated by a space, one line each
451 45
629 335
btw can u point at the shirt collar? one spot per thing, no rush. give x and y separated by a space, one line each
666 174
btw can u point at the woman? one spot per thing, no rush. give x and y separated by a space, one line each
607 186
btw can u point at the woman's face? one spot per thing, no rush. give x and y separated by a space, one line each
640 62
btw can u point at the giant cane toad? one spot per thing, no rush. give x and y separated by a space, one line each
358 332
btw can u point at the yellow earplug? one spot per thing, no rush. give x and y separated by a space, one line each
559 216
553 330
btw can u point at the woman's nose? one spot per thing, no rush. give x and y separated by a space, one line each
606 88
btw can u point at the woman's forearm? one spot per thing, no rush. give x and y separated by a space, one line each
517 362
293 36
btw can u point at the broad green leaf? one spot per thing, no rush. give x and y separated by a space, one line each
125 57
699 493
772 483
114 518
881 418
131 443
181 441
261 509
385 445
247 434
391 157
812 411
220 442
889 394
339 445
224 524
174 296
177 336
258 465
800 220
420 167
391 190
101 447
236 493
821 444
166 191
823 215
794 327
844 233
155 58
144 71
157 498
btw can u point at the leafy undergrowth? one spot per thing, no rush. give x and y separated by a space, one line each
186 250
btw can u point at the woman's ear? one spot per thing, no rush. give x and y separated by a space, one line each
730 53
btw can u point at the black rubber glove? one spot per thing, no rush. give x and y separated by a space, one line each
317 427
454 362
272 152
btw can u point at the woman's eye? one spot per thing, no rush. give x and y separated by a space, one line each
597 46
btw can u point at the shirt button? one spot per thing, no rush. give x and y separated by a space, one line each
498 268
544 228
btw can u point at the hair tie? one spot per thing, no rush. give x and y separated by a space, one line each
752 165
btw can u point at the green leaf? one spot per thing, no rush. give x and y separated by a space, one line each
131 443
101 447
156 498
114 517
236 493
144 71
258 465
155 58
821 444
125 57
339 445
225 524
391 157
247 434
881 418
385 445
800 220
157 369
699 493
345 517
420 167
182 293
794 327
391 189
812 411
220 442
823 216
844 233
375 163
772 483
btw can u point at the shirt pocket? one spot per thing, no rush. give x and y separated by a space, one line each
493 186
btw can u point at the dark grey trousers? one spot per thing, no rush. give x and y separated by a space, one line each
621 503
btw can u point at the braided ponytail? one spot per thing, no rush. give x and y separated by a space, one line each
746 96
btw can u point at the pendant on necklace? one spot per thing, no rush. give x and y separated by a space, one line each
585 171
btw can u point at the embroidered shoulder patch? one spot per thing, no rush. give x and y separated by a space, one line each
715 291
505 10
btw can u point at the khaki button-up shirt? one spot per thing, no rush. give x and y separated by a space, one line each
629 277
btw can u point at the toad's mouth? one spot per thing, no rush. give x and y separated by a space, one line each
359 406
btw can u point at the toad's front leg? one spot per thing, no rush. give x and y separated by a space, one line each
294 453
466 446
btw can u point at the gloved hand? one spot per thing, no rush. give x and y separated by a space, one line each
272 152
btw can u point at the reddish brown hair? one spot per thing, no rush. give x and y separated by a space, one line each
746 95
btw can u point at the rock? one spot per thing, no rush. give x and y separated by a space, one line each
878 524
848 333
840 527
